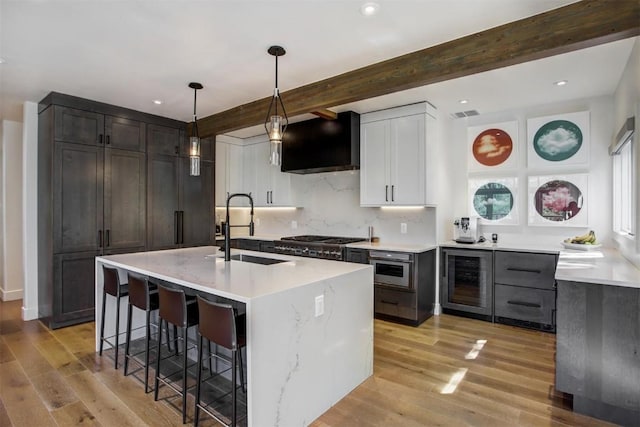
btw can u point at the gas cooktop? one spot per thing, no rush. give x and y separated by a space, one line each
328 247
330 240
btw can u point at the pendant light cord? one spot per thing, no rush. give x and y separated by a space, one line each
195 122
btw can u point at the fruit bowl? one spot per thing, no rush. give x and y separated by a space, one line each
581 246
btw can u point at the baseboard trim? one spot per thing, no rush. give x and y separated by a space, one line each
437 309
10 295
29 313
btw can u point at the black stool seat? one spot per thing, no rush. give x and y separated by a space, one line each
113 287
220 324
144 296
177 311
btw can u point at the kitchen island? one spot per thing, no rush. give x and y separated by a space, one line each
299 362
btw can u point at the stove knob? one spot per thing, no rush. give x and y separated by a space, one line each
305 250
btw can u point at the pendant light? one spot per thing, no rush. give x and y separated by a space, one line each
275 125
194 140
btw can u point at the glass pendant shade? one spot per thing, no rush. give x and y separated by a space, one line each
276 124
194 140
194 156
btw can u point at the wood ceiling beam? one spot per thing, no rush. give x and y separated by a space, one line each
325 114
577 26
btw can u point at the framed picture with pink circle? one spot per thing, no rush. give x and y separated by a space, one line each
493 147
559 200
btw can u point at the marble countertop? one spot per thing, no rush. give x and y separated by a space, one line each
605 266
204 269
394 247
520 247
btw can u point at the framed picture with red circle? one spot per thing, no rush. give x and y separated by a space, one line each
493 147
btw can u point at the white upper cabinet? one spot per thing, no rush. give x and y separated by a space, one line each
266 183
229 172
393 156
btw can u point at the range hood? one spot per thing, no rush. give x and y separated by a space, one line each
321 145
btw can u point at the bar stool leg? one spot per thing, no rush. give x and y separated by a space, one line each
184 375
146 351
244 388
117 329
209 350
196 413
155 394
104 302
128 342
233 390
175 337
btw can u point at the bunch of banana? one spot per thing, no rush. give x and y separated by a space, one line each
585 239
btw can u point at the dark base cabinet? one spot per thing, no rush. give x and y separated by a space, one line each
598 350
411 307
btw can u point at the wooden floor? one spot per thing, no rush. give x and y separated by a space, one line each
449 371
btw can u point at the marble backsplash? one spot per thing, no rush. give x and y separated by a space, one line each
329 204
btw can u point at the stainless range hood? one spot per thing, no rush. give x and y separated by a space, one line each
321 145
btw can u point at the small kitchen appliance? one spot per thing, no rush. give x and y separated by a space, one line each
465 230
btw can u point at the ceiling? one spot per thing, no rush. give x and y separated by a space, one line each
130 53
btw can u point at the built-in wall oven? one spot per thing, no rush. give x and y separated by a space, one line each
466 283
392 269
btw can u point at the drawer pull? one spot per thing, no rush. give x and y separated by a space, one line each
525 270
389 302
525 304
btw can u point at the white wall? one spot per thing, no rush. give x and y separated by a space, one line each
599 171
627 104
30 209
331 206
1 206
12 285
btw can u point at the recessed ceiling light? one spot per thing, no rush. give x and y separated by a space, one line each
463 101
369 8
561 82
157 101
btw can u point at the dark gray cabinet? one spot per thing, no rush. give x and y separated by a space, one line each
180 206
598 350
92 196
360 256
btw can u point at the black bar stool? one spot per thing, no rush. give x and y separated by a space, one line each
177 311
144 296
113 287
220 324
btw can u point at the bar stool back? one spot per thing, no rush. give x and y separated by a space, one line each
144 296
113 287
220 324
175 310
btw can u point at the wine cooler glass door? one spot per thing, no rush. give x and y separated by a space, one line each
468 281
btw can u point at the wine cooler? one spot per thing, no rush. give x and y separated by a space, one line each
466 283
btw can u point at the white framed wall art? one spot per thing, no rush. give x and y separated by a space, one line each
558 141
558 200
494 200
493 147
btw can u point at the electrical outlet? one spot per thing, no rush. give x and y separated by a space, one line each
294 224
257 221
319 305
403 227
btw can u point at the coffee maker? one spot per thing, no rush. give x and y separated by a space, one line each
465 230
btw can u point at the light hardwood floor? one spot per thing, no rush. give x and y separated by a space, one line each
440 374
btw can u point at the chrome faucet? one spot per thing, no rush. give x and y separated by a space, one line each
227 227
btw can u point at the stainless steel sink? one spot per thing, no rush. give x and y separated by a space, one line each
256 259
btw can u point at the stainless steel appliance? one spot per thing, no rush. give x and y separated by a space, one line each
392 269
467 282
465 230
326 247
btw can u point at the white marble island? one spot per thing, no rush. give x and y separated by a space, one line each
298 364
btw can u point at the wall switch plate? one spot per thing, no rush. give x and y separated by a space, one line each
294 224
319 305
403 227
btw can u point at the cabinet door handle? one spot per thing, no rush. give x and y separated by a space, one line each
175 227
386 193
392 193
524 304
108 139
101 139
389 302
181 226
524 270
177 149
108 237
99 238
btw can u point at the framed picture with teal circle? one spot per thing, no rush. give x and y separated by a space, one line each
558 141
494 200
